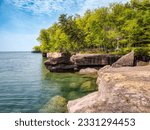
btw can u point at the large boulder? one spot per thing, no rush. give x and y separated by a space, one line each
91 60
58 58
124 89
59 62
126 60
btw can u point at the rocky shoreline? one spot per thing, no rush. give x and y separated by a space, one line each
122 85
124 89
121 89
62 62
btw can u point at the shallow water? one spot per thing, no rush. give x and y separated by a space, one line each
26 86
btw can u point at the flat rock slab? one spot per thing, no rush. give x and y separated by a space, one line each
125 89
93 59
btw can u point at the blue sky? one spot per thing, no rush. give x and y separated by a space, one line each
21 20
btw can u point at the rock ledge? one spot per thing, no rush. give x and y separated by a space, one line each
124 89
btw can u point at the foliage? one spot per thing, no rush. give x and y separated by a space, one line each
117 28
140 52
37 48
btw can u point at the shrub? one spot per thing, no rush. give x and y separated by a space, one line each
142 53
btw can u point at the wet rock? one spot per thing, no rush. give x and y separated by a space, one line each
73 85
57 104
61 68
87 86
88 71
73 95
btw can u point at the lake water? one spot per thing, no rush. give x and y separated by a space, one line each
26 86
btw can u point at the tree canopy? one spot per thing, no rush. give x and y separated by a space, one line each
106 29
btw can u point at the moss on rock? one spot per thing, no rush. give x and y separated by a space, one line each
56 104
73 95
88 86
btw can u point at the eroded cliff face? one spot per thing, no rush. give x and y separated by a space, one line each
62 62
124 89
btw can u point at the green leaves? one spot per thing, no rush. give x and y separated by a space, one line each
107 29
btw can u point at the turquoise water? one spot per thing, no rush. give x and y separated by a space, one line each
26 86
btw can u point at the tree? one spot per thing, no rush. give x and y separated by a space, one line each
124 26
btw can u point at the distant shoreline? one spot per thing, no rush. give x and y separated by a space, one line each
14 51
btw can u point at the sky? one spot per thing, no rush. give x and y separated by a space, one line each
22 20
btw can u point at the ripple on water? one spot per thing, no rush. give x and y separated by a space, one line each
26 86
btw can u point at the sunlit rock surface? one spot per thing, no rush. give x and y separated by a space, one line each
126 60
64 62
124 89
87 60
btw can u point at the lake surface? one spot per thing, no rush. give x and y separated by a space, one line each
26 86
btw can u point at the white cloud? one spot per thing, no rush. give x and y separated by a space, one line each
93 4
42 6
60 6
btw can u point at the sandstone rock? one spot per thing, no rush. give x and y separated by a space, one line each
64 62
58 58
73 95
88 71
54 55
84 104
126 60
125 89
106 67
59 62
83 60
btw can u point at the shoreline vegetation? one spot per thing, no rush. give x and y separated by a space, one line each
117 30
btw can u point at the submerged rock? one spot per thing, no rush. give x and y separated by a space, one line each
124 89
61 68
88 71
73 95
88 86
55 105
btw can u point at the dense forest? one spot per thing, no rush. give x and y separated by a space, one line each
118 28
